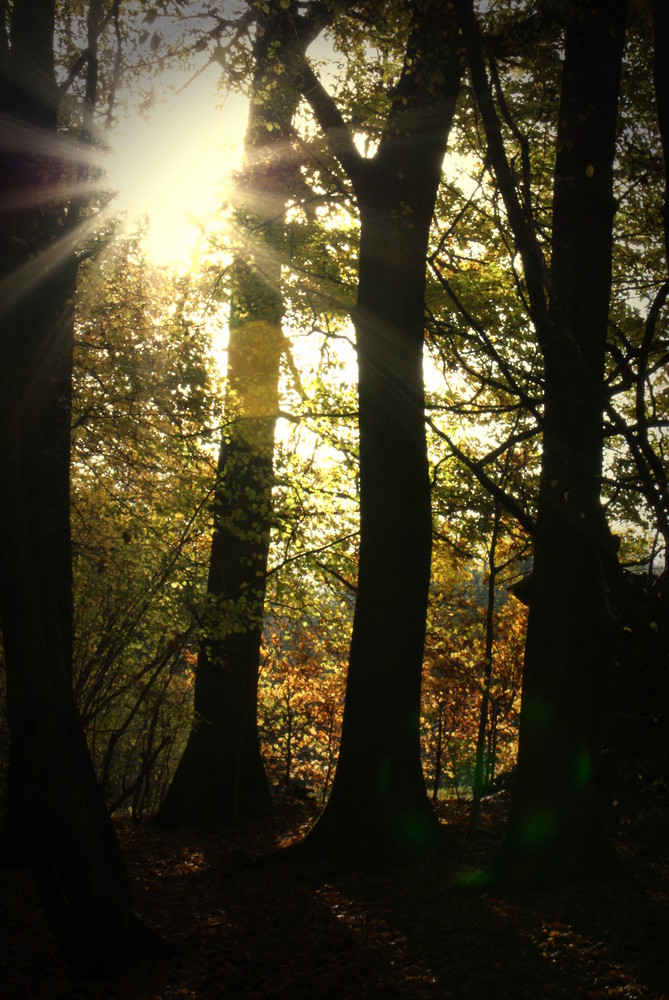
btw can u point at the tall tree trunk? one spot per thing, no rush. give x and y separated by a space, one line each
554 828
378 800
221 776
56 809
378 790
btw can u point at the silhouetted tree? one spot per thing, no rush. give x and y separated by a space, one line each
221 776
554 828
56 812
378 800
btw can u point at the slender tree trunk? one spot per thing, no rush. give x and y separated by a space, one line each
437 758
378 788
659 642
378 801
56 811
661 85
480 765
221 776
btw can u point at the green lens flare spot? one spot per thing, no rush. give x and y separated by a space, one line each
475 880
538 829
383 780
538 713
583 769
414 830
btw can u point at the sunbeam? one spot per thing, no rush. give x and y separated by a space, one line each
28 275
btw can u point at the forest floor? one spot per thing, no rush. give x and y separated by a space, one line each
256 931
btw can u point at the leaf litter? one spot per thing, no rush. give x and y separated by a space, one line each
245 930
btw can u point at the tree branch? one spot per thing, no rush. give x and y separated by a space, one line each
511 505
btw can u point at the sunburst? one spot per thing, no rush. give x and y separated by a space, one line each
172 169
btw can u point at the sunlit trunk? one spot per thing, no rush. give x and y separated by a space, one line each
221 776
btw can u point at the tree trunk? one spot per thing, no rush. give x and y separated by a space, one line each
378 801
661 86
480 766
378 790
554 828
221 776
56 812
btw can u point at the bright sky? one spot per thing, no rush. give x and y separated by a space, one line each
171 168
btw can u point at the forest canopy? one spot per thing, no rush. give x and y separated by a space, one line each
334 404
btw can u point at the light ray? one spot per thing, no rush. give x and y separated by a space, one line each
43 144
31 272
60 192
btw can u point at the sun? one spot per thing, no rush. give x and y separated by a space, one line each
170 169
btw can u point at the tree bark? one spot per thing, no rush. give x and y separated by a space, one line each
56 812
221 776
554 829
378 801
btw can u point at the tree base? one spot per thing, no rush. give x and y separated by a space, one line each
514 871
204 795
188 815
361 839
